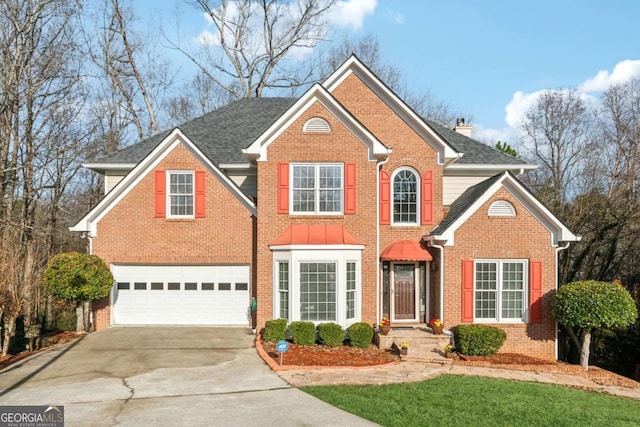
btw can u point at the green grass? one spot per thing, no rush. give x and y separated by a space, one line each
451 400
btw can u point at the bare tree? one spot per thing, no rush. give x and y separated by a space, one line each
254 40
133 79
40 62
556 132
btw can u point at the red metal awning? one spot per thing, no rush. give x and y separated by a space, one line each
405 250
315 234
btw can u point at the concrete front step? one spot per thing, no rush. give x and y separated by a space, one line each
424 346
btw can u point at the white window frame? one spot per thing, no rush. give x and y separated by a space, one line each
499 290
169 194
418 196
316 189
328 254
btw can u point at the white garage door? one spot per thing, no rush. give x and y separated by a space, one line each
180 295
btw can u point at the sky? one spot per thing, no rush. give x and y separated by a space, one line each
486 59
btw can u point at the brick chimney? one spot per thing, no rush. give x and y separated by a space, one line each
462 128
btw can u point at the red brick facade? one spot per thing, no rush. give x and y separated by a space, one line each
229 234
131 234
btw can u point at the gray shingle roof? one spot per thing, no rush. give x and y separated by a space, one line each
475 152
220 134
464 202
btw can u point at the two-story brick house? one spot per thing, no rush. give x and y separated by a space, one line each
342 205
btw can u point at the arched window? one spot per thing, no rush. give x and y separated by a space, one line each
502 208
406 196
316 125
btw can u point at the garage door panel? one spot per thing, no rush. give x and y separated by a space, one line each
181 295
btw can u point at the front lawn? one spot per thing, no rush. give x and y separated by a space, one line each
452 400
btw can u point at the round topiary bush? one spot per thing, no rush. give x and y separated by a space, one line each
479 340
303 333
360 334
331 334
275 330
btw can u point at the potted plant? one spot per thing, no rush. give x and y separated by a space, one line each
436 325
385 326
404 348
448 351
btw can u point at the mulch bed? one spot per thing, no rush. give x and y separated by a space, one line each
321 355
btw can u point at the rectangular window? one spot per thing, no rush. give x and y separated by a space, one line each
175 286
318 291
123 286
351 290
283 289
207 286
224 286
157 286
242 286
180 194
500 290
317 188
190 286
140 286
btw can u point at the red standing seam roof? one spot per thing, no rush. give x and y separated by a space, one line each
405 250
315 234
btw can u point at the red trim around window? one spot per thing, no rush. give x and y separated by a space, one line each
535 292
160 199
427 198
200 192
385 198
350 188
283 188
467 291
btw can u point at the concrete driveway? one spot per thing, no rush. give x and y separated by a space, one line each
195 376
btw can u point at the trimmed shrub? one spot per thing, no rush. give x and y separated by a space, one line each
479 340
360 334
331 334
303 333
275 330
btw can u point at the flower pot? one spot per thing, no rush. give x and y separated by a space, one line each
437 329
385 329
403 351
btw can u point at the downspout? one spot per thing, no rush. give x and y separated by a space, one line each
378 170
431 243
558 249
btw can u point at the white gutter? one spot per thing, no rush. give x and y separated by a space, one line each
379 169
558 249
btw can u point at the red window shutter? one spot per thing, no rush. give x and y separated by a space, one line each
427 198
283 188
535 292
199 205
350 188
385 198
467 291
160 194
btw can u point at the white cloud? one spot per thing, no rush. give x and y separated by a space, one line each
491 136
351 13
345 13
603 80
518 106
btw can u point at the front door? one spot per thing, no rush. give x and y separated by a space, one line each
404 292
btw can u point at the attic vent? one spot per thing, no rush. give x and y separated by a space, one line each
316 125
502 208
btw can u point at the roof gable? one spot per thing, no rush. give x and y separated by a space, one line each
353 65
476 196
89 222
258 149
220 134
